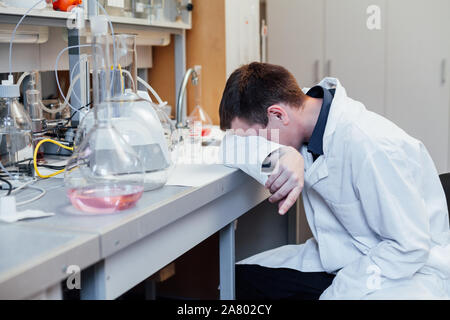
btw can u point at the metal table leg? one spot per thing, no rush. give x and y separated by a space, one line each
227 261
93 282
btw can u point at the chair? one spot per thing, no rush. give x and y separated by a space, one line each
445 180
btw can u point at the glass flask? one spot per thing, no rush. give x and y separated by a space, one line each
15 135
198 117
141 9
156 10
118 8
104 175
135 118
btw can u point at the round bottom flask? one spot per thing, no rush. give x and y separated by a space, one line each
104 175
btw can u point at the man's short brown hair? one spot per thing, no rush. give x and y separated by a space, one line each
253 88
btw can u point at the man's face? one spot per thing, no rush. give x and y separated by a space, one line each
274 131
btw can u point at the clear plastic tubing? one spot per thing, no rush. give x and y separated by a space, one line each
13 35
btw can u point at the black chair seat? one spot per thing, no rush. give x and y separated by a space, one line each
445 180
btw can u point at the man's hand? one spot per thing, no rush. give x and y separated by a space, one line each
286 183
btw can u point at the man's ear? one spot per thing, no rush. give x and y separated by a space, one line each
278 113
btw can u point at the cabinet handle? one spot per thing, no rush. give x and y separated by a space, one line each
316 71
444 71
329 68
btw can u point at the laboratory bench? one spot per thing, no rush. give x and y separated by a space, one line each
116 252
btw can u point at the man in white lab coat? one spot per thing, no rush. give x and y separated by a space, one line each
372 195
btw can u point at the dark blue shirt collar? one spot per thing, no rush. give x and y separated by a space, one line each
315 144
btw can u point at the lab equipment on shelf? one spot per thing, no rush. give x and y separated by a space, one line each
156 10
118 8
141 9
104 175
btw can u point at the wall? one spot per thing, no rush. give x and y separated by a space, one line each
205 45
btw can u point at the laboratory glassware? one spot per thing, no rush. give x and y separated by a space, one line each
104 175
198 116
15 134
34 101
156 10
135 118
118 8
141 9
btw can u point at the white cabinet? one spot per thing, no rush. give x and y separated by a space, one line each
242 33
296 38
417 91
354 53
399 69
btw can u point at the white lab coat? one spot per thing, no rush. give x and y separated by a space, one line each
375 206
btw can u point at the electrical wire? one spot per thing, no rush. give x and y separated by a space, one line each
73 114
23 186
6 171
35 157
43 193
9 185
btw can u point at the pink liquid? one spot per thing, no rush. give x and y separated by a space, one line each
105 199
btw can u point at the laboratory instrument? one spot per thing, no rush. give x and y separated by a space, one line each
104 175
15 133
135 118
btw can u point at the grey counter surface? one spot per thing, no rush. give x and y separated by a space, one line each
35 253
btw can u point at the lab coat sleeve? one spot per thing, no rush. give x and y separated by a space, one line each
393 208
248 153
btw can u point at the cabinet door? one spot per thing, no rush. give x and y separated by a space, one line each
355 48
418 51
242 33
295 38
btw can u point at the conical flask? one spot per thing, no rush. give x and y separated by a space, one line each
135 118
199 117
104 174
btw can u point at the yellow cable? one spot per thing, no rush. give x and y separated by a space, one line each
36 149
122 85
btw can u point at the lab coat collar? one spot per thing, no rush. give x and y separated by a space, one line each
336 110
318 169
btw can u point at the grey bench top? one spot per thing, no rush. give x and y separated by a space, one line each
44 247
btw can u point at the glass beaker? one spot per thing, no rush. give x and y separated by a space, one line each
141 9
104 174
118 8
